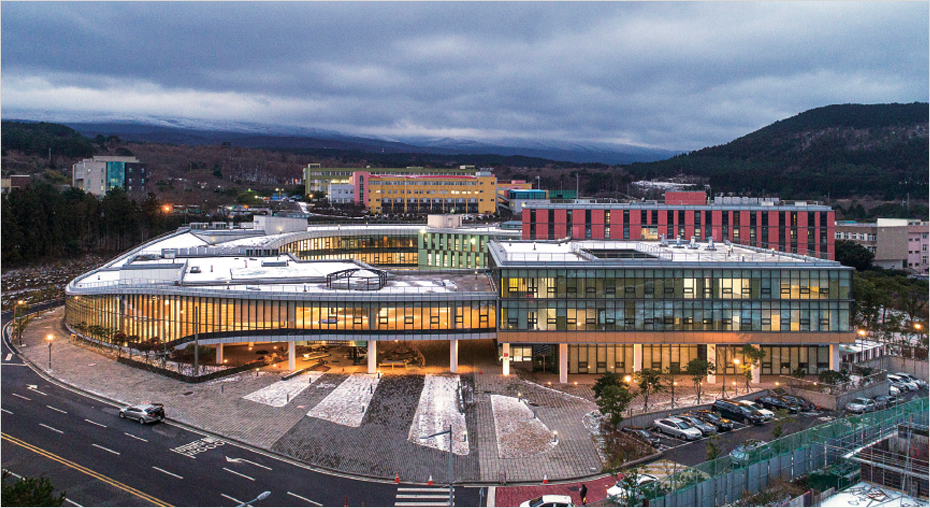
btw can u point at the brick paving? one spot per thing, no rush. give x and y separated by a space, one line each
380 446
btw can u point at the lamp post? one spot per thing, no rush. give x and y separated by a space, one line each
450 456
736 368
674 384
50 338
261 496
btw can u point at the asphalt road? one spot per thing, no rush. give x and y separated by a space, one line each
99 459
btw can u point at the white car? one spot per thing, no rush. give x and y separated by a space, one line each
860 405
911 386
907 377
766 414
619 494
549 500
677 427
894 390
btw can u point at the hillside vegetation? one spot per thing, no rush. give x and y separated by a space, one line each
840 151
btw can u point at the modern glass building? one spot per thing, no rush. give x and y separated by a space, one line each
568 307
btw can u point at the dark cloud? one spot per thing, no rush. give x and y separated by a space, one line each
675 75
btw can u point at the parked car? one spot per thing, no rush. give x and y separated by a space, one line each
885 401
643 435
735 411
144 413
919 382
896 389
744 452
804 404
861 405
713 418
549 500
910 385
706 429
768 415
677 427
775 403
646 485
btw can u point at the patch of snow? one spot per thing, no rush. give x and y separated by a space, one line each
519 432
280 393
437 410
349 402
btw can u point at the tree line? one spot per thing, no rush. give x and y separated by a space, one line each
41 223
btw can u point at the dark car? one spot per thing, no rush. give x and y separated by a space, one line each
713 418
707 429
732 410
886 401
776 403
643 435
803 404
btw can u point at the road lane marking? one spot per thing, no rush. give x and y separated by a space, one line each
136 437
56 409
240 503
35 388
305 499
95 423
168 472
75 504
20 396
83 469
104 448
13 364
247 461
5 411
240 474
51 428
9 356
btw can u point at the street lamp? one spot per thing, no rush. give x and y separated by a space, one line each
261 496
450 456
50 338
736 368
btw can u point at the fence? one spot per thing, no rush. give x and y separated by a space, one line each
722 481
190 378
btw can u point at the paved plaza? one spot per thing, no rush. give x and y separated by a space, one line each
340 418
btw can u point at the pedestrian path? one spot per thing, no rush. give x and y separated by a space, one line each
437 411
346 405
422 496
279 394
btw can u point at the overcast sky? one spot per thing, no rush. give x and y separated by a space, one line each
671 75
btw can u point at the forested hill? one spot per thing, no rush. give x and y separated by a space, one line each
844 151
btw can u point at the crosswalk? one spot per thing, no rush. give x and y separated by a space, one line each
422 496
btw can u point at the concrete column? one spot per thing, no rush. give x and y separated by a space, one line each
291 356
757 370
506 361
251 344
453 356
219 354
563 363
372 357
712 359
637 357
834 357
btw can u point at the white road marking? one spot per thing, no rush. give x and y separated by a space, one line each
56 409
136 437
95 423
75 504
20 396
13 364
51 428
240 474
414 503
247 461
5 411
18 477
167 472
305 499
232 499
9 356
34 388
105 449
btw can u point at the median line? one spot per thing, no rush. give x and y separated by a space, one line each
89 472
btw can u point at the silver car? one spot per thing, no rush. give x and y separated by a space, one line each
143 413
706 428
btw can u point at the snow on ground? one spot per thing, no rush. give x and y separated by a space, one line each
519 433
347 404
437 410
280 393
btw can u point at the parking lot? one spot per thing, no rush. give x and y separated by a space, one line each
691 453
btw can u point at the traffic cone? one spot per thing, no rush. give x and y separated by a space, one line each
396 477
545 479
430 482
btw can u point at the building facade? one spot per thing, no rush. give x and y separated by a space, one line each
388 193
899 244
100 174
798 228
318 179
